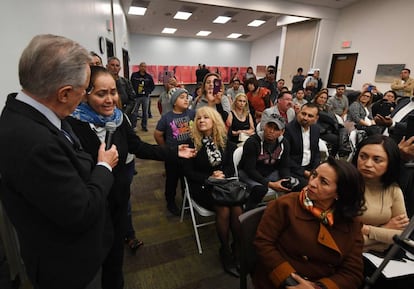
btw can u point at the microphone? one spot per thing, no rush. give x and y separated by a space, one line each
110 128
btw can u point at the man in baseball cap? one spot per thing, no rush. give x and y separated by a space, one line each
265 161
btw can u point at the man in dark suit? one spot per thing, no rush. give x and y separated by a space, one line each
303 136
53 192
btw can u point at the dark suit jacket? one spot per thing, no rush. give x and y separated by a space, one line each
293 134
56 198
399 130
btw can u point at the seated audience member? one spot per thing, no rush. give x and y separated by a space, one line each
378 159
309 93
299 100
359 113
259 98
403 86
385 105
313 238
214 159
249 74
265 161
88 121
303 137
396 122
240 122
218 101
331 130
235 89
339 102
174 129
284 106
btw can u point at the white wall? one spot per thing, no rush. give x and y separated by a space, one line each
156 50
265 49
380 32
80 20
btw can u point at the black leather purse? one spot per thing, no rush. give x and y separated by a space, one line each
228 191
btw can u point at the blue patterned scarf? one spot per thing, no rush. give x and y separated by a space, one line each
85 113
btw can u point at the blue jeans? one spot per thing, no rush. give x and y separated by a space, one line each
142 102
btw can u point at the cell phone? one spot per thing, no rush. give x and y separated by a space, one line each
217 86
409 131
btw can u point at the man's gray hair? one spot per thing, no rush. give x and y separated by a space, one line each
50 62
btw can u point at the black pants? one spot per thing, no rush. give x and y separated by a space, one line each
173 173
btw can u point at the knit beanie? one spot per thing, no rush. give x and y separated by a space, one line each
174 93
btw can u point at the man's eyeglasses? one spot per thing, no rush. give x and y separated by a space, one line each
271 71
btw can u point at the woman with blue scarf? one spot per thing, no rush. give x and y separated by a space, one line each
88 122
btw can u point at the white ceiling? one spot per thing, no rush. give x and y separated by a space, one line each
160 14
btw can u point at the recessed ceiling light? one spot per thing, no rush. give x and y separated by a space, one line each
182 15
222 19
133 10
256 23
169 30
203 33
234 35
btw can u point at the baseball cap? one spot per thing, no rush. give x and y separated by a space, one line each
269 116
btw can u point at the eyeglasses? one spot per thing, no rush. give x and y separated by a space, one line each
271 71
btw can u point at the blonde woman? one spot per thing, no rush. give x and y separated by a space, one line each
214 159
240 121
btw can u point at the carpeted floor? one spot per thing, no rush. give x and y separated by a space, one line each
169 258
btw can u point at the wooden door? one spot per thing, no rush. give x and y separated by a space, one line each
342 69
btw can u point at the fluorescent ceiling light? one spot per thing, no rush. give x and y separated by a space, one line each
133 10
182 15
256 23
169 30
203 33
222 19
234 35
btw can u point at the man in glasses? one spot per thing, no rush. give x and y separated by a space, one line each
265 161
269 81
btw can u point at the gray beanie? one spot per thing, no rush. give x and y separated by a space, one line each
174 93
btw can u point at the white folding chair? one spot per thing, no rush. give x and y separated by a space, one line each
323 148
237 155
189 203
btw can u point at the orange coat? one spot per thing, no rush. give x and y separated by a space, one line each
290 239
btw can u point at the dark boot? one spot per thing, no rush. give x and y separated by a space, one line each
228 262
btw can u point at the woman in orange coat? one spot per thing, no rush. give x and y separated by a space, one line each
312 238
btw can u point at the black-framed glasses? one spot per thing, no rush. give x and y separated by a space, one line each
271 71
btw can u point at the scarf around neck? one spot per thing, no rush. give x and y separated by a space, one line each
213 153
325 217
85 113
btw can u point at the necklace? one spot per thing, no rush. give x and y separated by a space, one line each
239 115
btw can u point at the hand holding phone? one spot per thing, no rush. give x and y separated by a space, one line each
217 86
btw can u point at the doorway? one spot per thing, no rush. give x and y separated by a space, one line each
342 69
109 48
125 63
